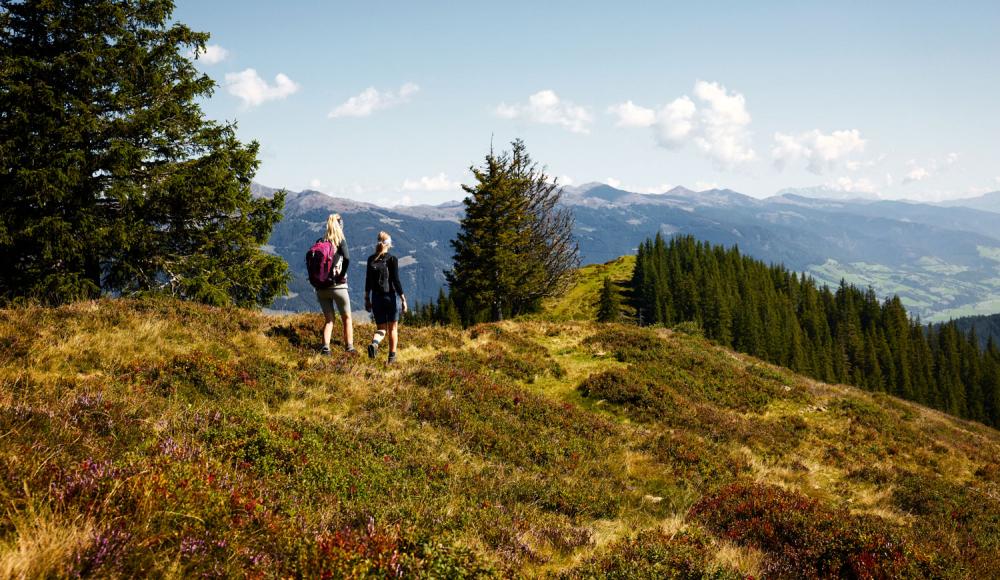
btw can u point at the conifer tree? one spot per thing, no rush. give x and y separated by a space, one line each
111 179
608 306
515 246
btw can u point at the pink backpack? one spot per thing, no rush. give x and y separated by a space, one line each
323 262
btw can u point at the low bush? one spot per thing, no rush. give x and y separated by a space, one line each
653 554
804 538
627 343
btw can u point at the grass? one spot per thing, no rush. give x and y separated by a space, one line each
580 301
157 438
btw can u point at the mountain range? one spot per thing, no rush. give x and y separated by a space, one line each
943 261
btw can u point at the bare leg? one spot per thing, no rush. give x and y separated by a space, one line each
348 330
327 330
393 336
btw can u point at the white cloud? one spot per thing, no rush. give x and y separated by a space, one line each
862 185
724 135
371 100
250 88
915 174
997 179
705 185
439 182
211 54
674 122
717 125
615 183
921 171
394 201
631 115
566 180
315 183
547 108
821 152
661 188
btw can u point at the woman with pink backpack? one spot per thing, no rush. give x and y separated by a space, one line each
327 263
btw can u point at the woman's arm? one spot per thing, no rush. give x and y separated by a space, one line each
342 248
394 277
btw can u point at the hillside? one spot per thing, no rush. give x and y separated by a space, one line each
580 301
174 440
986 327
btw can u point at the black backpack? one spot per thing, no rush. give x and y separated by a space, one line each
382 267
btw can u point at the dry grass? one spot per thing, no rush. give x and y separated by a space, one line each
42 545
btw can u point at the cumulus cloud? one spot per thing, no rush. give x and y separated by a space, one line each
631 115
371 100
547 108
821 152
250 88
615 183
439 182
921 171
211 54
718 124
705 185
315 183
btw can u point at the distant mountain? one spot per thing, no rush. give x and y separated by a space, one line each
986 326
827 192
988 202
942 261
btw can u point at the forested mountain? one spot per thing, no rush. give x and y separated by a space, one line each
986 327
845 335
941 262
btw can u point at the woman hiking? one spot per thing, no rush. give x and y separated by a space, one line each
381 288
336 294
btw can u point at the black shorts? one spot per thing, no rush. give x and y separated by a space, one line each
384 308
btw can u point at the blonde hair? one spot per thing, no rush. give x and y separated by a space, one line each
382 248
334 229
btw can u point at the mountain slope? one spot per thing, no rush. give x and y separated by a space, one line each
942 262
161 438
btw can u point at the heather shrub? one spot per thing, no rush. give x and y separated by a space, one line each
959 524
653 554
804 538
627 343
200 375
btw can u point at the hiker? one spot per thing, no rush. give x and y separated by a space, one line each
381 288
327 262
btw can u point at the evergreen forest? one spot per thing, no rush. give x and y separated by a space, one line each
847 335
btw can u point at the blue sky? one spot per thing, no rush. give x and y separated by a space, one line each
391 102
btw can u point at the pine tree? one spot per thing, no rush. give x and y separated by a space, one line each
515 245
111 180
608 306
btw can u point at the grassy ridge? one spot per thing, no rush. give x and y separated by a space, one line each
580 301
169 439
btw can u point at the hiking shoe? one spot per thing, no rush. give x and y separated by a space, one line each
392 359
372 349
351 350
325 351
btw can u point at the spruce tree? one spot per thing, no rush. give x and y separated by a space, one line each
111 179
608 306
515 245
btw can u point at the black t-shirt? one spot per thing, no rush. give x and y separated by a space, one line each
382 275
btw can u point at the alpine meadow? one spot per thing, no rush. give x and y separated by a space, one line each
475 361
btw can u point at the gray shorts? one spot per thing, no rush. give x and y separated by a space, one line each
327 297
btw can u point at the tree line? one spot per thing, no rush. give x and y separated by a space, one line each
845 335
